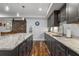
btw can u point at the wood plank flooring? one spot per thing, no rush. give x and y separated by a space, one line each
40 49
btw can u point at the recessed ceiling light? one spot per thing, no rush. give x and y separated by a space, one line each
40 9
22 18
7 8
17 14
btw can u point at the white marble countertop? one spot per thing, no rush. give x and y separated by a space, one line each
9 42
72 43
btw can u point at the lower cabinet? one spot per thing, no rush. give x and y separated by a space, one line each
50 44
53 51
72 53
60 49
56 48
22 49
25 47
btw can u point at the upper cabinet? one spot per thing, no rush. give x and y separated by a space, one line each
19 26
49 22
62 14
69 13
56 18
78 9
53 19
72 12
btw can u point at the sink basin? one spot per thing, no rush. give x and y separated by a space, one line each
57 35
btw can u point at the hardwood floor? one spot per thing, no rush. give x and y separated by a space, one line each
40 49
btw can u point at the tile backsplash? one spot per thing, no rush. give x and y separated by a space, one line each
73 27
38 31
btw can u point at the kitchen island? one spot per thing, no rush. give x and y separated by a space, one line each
67 46
16 44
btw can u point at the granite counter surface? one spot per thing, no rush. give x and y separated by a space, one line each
9 42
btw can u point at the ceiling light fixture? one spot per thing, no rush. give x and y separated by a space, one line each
17 14
22 18
39 9
7 8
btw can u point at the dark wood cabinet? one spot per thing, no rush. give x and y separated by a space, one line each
53 46
49 22
50 44
53 19
69 12
60 49
78 9
72 12
21 50
71 53
47 41
56 18
19 26
25 47
62 15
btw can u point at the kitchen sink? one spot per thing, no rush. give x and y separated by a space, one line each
57 35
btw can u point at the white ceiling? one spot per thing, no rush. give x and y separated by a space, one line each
31 9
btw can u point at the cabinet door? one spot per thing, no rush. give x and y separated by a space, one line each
78 9
60 49
52 20
21 50
62 13
48 42
72 12
59 52
72 53
19 26
53 47
29 44
49 22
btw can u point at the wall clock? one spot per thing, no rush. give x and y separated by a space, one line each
37 23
